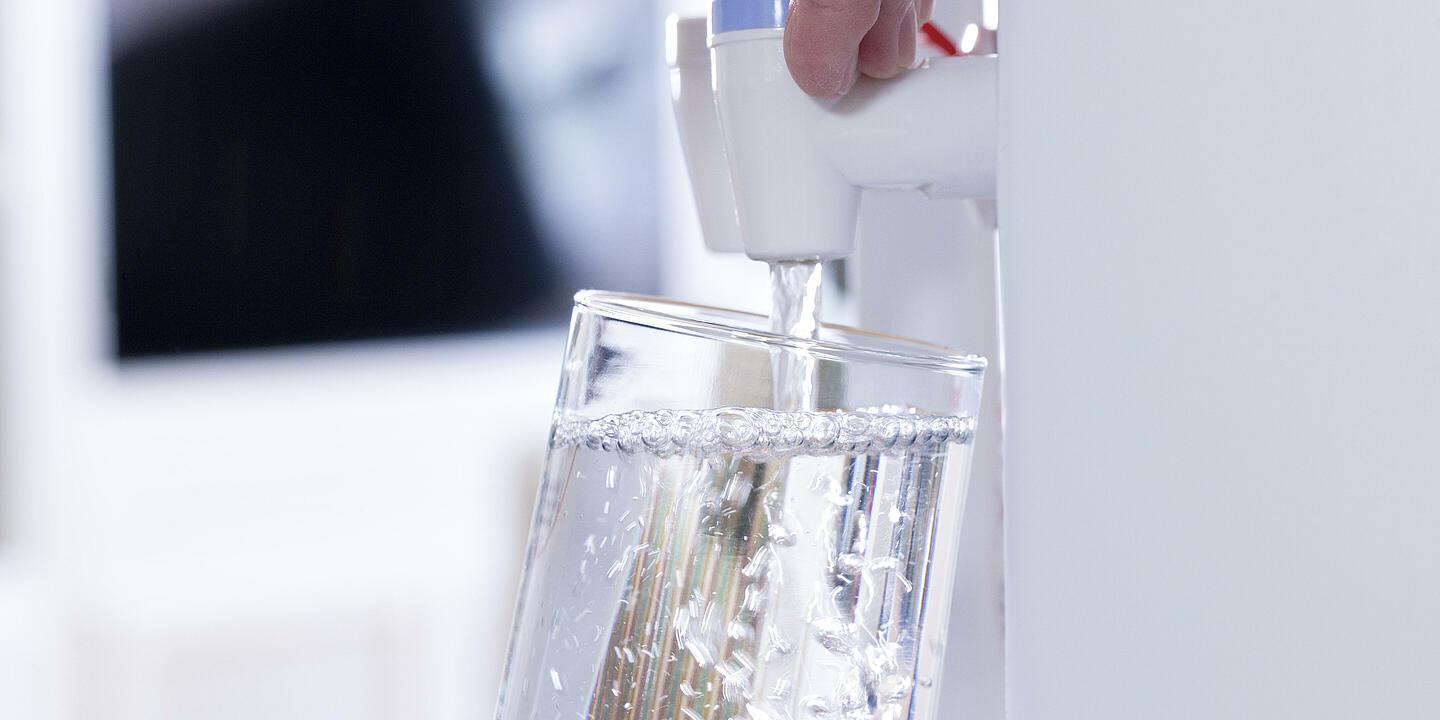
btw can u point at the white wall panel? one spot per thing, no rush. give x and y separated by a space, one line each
1221 258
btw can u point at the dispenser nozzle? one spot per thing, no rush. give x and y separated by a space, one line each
780 174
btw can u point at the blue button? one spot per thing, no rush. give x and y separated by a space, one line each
730 15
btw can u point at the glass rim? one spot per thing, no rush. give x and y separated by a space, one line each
752 328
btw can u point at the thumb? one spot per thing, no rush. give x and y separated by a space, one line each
822 43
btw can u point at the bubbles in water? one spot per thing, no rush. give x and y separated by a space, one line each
744 563
835 635
851 692
850 563
817 706
780 690
762 433
779 645
781 535
758 564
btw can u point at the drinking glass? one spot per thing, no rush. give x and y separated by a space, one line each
734 523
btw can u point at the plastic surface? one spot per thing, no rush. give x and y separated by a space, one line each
688 56
798 165
1222 256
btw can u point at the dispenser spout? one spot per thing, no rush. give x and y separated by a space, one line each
796 166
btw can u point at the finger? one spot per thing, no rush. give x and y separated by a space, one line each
889 47
822 43
924 10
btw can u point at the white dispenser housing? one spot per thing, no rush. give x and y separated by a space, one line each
780 174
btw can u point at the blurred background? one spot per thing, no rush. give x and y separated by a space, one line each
310 170
283 294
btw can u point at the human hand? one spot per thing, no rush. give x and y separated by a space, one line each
828 43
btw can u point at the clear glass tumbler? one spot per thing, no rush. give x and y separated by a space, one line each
710 543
